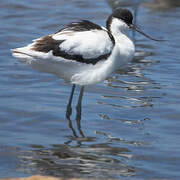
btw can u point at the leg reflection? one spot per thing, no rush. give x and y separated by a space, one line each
79 109
69 111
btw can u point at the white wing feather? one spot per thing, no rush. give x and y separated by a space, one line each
88 44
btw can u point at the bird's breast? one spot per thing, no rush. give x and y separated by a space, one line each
122 53
126 49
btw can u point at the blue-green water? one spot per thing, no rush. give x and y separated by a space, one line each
131 121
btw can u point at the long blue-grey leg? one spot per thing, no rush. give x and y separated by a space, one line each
69 108
69 111
79 109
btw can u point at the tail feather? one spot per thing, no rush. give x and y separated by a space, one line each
26 54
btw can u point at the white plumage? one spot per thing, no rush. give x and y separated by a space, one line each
83 53
100 51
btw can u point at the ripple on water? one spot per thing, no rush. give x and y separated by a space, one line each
130 121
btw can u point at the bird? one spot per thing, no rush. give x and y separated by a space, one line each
83 53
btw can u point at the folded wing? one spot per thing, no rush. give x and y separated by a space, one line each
81 41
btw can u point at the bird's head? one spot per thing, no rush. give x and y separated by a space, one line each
121 20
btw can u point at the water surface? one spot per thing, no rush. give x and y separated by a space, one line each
130 121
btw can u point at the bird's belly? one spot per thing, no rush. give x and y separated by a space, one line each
69 70
92 74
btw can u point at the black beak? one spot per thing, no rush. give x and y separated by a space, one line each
132 26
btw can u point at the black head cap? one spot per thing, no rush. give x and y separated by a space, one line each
123 14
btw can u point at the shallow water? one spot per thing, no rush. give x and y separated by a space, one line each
131 121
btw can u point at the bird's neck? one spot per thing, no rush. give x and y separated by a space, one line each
116 27
124 48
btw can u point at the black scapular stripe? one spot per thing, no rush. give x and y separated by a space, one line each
83 25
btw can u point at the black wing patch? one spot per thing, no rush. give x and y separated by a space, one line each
83 25
47 44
